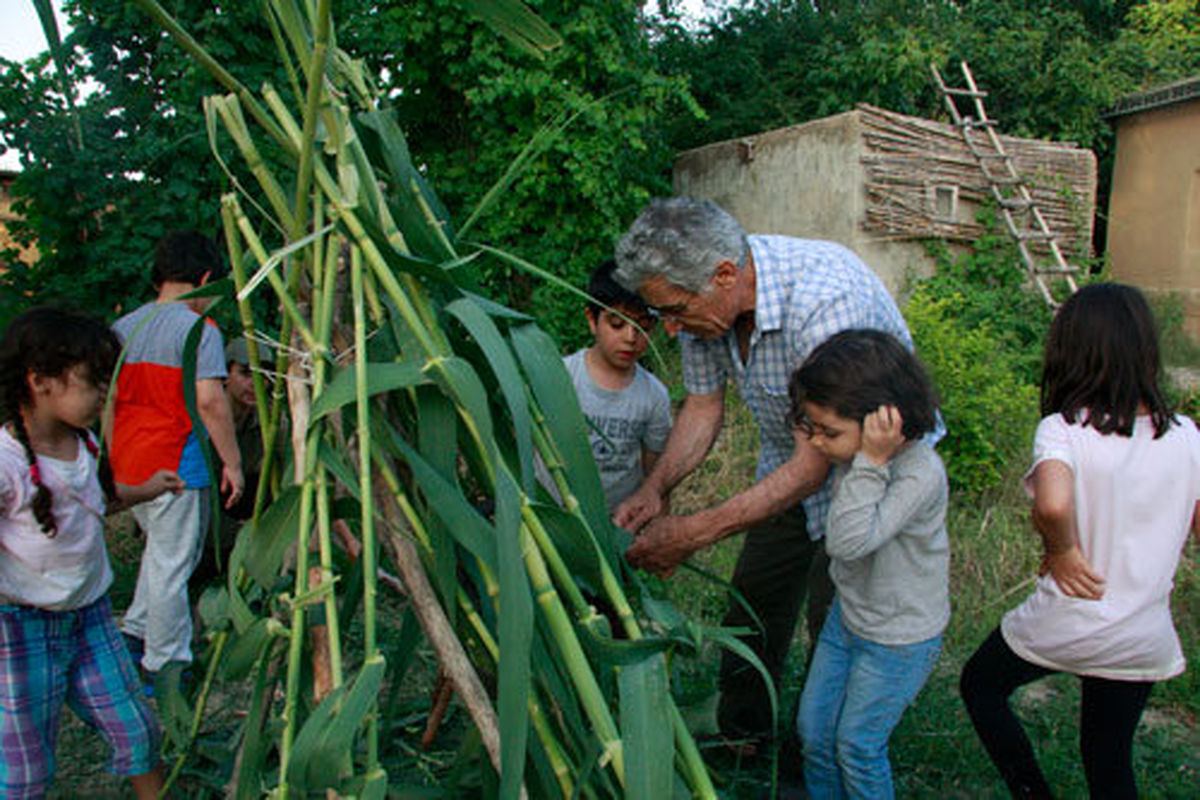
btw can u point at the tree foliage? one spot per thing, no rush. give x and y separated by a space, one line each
144 165
470 105
469 101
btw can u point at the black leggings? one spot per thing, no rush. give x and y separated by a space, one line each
1108 716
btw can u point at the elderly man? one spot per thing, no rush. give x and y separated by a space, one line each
751 309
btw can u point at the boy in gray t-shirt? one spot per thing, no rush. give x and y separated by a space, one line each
627 408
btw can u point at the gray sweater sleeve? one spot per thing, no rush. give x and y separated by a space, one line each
872 504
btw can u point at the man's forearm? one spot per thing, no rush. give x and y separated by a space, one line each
793 481
691 438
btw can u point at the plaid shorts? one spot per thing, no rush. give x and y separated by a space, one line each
49 656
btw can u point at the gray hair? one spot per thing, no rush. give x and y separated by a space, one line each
682 239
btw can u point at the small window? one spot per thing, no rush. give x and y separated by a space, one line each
943 202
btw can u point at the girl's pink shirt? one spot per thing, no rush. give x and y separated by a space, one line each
70 570
1134 498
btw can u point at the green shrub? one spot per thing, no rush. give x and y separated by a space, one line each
988 402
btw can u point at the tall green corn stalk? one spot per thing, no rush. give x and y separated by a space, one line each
418 412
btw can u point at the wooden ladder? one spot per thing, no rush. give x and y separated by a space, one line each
1021 214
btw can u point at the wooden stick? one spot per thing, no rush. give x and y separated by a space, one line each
451 655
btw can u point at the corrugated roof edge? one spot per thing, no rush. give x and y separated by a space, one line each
1159 96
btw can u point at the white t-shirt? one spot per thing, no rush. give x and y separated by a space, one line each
70 570
1134 501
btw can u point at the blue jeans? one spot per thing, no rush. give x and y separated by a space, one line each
854 696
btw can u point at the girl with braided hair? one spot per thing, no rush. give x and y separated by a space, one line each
58 641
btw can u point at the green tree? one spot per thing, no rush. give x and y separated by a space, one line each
96 204
469 101
469 105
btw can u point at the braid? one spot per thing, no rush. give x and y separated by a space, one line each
43 501
103 467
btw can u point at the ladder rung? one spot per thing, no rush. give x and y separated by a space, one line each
964 92
1004 180
1036 236
1015 203
971 122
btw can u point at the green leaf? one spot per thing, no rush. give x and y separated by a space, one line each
276 258
446 500
730 642
458 381
437 433
381 378
513 20
260 547
647 735
515 636
555 394
418 212
335 461
504 366
323 747
214 607
173 709
573 542
191 346
246 650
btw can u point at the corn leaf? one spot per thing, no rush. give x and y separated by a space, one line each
458 380
574 543
437 436
508 375
380 378
513 20
446 500
260 547
276 258
246 650
418 212
323 745
555 394
515 635
335 461
646 730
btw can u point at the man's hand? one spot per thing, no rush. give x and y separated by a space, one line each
1073 574
663 545
232 484
882 434
639 508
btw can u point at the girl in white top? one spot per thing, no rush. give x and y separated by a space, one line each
1116 488
58 642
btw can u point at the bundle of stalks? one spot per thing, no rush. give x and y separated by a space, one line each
906 156
418 410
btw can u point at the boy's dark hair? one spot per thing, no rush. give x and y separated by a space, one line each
605 291
856 371
50 341
185 257
1102 360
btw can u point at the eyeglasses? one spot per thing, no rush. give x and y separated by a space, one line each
671 311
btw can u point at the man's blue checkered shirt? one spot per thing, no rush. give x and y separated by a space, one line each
806 291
